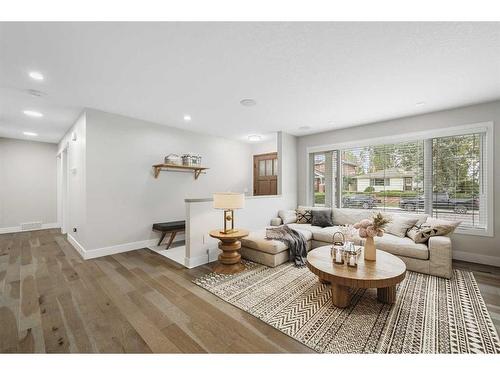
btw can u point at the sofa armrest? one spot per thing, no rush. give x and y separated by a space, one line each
440 256
276 221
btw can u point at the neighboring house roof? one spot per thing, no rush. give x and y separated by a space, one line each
387 173
351 163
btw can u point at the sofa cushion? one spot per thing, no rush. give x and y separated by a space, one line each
304 216
402 246
326 235
322 218
434 221
425 231
399 225
287 216
257 240
307 230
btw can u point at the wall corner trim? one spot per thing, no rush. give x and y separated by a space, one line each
79 248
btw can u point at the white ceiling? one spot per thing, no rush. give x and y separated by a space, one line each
322 75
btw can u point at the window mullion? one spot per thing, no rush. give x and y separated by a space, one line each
428 176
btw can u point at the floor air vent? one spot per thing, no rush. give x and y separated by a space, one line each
31 226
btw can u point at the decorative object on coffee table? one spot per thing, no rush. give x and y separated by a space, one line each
230 258
384 275
369 229
338 247
228 202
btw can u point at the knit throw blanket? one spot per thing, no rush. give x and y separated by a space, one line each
294 240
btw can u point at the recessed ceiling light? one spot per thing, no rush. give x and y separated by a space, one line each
31 134
187 118
420 104
33 113
37 76
248 102
254 138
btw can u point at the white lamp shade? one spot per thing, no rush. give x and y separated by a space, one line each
229 201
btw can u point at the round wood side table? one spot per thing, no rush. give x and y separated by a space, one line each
230 244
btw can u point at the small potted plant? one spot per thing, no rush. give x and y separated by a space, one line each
370 228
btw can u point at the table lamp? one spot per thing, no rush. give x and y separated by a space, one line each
228 202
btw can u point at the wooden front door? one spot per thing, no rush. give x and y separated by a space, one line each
265 174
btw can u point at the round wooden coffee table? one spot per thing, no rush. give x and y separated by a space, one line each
230 258
384 274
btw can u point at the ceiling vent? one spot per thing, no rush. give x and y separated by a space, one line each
248 102
36 93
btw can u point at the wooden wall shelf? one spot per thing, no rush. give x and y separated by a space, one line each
178 168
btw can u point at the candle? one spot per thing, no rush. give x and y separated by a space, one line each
351 261
338 257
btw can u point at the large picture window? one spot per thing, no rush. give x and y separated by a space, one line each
444 177
457 178
383 176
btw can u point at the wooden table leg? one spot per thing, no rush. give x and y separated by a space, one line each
171 239
387 295
230 259
161 238
340 295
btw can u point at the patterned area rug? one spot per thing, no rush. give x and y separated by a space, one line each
431 315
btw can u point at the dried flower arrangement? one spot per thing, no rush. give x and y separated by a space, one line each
374 227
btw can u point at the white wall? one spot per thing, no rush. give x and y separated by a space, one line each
287 165
265 147
201 217
124 199
479 249
28 190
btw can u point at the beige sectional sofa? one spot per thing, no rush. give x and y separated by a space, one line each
433 257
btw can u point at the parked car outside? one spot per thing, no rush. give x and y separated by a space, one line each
359 201
441 201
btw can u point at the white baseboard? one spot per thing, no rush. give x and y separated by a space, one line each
476 258
110 250
76 245
202 259
18 228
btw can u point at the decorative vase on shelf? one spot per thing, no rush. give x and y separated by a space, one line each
370 250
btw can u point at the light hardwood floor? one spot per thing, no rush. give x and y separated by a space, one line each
53 301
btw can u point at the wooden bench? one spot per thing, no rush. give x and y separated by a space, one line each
172 227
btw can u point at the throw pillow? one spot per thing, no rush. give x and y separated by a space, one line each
399 225
322 218
421 234
288 216
303 216
433 221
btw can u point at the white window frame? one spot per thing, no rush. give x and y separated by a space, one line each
481 127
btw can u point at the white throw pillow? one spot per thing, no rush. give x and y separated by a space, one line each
425 231
288 216
400 225
431 221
